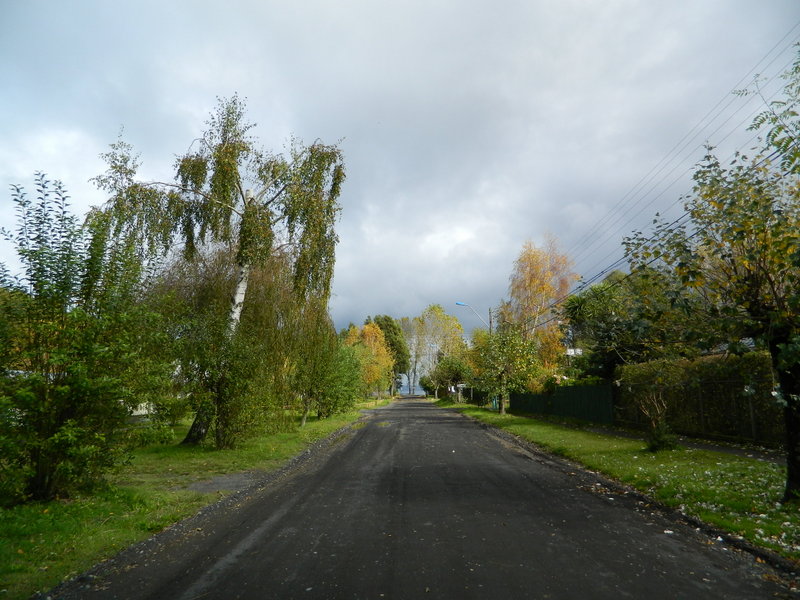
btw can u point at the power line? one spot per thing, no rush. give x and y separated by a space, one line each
658 169
651 178
654 184
584 285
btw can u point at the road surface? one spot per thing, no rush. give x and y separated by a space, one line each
420 502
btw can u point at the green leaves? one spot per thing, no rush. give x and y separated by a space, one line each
77 355
49 244
505 361
228 191
781 120
738 252
192 172
450 371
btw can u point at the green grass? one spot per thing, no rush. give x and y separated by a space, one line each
736 494
41 544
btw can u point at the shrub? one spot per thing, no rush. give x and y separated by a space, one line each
427 384
82 352
718 396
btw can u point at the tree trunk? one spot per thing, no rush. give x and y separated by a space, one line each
237 302
790 390
40 485
203 419
503 401
503 395
789 380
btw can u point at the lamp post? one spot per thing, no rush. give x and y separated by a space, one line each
489 324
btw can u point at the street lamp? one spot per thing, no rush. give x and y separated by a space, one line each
489 324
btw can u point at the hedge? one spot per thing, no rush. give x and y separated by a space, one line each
727 397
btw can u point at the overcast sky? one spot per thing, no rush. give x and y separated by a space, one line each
468 127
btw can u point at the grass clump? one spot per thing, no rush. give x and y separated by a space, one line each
737 494
44 543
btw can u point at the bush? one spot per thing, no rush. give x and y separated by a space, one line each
427 385
715 396
149 434
80 353
170 409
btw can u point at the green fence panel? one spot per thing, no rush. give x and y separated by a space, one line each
593 403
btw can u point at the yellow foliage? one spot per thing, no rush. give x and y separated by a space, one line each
541 277
374 355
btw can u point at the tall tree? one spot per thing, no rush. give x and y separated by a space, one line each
441 335
229 191
396 342
540 281
413 332
374 356
244 377
741 252
541 278
327 373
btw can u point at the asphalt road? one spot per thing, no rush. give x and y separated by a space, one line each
420 502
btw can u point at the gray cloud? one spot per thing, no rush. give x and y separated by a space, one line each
467 127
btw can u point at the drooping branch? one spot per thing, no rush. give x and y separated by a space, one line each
205 195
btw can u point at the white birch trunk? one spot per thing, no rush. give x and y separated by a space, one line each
237 302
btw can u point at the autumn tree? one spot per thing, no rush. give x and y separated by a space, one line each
396 342
740 251
229 191
374 356
541 279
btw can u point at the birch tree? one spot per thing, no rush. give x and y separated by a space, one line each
442 335
542 276
229 191
413 328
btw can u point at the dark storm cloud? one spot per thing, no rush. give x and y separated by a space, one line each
467 127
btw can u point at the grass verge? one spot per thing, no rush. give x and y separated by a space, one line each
736 494
42 544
